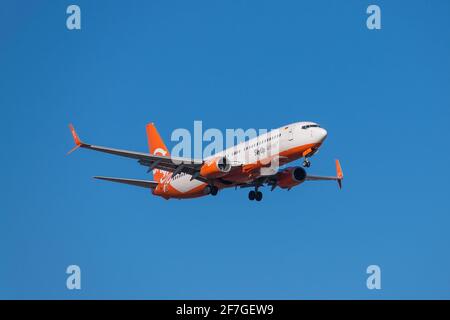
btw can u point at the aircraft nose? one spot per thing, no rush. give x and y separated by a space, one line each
321 134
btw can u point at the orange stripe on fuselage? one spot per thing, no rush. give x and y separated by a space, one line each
298 152
167 191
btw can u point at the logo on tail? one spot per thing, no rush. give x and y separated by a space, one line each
156 147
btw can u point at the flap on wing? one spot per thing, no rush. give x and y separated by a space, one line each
133 182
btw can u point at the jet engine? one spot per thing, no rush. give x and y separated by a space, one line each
215 168
290 177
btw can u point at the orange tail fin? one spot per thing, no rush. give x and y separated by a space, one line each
156 146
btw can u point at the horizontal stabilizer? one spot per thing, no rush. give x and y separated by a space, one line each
133 182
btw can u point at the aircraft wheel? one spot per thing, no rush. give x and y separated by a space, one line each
258 196
306 163
251 195
214 190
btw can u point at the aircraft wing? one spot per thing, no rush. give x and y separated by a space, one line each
133 182
339 176
315 178
172 164
272 179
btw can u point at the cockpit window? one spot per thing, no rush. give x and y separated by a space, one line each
310 126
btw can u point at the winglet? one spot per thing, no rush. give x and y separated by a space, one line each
339 174
77 140
74 134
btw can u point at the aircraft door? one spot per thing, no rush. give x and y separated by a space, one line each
290 133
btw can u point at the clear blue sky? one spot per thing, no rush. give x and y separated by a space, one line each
382 95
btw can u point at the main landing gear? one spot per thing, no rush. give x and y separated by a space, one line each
255 195
306 163
214 190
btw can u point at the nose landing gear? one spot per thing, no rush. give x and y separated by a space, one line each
255 195
306 163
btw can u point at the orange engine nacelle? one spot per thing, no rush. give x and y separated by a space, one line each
215 168
290 177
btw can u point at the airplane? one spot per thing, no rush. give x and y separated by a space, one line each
240 166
